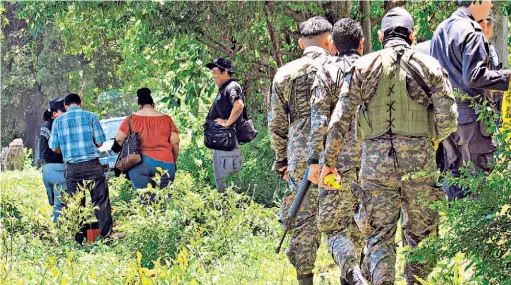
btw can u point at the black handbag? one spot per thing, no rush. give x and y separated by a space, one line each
219 138
245 131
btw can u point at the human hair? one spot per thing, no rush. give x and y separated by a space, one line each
222 70
47 115
144 97
347 34
465 3
315 26
72 99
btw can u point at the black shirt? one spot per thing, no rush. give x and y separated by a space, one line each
229 93
46 153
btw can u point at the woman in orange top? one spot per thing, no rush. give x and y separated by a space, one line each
159 143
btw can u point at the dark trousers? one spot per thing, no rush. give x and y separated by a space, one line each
90 175
470 142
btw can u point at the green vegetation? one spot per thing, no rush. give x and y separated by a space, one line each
196 237
105 51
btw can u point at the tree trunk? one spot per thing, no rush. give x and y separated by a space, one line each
336 10
365 9
391 4
500 33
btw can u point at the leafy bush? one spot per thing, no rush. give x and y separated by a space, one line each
477 228
191 237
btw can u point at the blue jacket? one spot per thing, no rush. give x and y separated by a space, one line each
460 47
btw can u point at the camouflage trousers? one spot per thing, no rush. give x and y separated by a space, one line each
305 236
386 196
336 218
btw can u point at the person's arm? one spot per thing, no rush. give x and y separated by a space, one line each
237 109
344 112
174 141
122 134
120 137
44 137
444 105
324 98
475 71
278 124
54 138
234 93
343 115
99 135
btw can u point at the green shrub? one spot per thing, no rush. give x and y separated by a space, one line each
478 227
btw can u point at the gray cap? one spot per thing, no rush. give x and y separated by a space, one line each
315 26
397 17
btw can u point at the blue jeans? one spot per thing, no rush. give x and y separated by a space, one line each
141 175
55 182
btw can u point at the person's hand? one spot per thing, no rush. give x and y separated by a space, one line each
284 172
436 145
324 172
221 122
314 172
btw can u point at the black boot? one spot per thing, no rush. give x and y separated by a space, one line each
344 281
306 279
354 276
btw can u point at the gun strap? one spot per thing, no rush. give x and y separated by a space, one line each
410 70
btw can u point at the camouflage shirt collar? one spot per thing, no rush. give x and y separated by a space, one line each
315 51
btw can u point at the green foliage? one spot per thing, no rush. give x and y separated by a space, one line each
478 227
112 104
195 236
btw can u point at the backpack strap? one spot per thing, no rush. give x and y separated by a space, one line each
129 125
410 70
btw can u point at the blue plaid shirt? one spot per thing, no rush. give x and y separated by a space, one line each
76 133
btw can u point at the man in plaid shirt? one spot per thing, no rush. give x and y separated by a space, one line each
77 135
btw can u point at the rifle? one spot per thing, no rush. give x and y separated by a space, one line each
297 202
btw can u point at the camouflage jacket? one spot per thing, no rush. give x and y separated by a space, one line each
334 75
363 85
289 118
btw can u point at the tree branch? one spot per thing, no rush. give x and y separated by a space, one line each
273 37
219 46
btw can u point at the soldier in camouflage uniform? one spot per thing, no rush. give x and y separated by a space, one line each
289 124
398 118
336 207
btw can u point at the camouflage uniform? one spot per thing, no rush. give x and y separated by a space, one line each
336 208
385 194
289 125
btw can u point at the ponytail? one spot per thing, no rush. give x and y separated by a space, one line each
47 115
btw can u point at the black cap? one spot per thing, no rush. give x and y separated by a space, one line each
57 104
397 17
222 63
